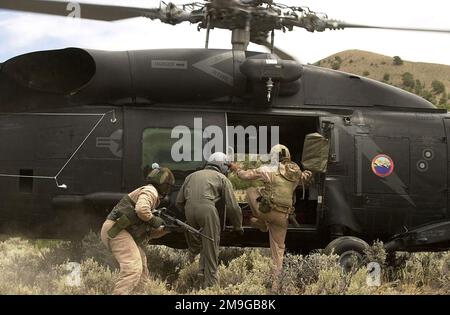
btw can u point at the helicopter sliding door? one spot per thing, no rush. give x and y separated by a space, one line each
175 138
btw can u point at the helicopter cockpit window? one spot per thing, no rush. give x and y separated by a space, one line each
157 148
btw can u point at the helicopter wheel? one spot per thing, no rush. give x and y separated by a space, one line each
350 250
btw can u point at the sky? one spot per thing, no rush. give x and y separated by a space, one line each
24 32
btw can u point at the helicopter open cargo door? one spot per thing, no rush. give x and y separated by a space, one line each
177 139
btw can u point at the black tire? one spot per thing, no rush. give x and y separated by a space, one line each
350 250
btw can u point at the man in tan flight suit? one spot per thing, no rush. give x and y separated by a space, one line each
272 205
130 223
198 197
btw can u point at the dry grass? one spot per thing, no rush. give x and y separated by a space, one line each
30 267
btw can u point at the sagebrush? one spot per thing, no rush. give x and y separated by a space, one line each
41 267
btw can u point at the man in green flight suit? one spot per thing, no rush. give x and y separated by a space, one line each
198 197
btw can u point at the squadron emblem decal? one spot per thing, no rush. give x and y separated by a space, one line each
382 165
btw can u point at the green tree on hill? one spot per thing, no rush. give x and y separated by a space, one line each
428 96
438 87
408 80
336 65
419 87
397 61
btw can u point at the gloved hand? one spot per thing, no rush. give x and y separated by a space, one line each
306 176
155 222
234 167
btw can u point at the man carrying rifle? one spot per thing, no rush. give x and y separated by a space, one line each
130 223
198 197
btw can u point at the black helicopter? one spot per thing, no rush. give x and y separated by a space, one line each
79 127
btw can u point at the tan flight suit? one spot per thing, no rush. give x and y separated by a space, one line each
280 190
197 197
124 247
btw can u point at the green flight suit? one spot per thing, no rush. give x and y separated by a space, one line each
198 197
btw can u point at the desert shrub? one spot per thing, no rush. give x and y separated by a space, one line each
301 271
418 89
154 286
96 279
376 253
427 269
397 61
28 267
330 282
235 266
93 247
227 254
336 65
20 263
426 94
188 279
358 284
248 274
438 87
366 73
408 80
386 77
165 263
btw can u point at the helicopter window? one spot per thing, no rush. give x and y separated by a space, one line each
157 148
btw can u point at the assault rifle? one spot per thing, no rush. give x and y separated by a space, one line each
172 221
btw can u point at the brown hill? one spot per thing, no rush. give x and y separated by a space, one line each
382 68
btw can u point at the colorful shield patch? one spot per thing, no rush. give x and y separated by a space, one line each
382 165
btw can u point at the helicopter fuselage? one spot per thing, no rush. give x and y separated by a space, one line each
79 127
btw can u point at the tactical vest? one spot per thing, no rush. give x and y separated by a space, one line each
136 227
278 194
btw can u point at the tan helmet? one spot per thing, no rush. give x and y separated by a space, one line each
280 152
162 178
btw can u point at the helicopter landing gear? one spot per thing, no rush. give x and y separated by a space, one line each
350 250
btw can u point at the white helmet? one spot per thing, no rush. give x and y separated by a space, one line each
219 160
280 152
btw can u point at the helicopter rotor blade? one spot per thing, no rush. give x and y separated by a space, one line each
170 13
277 51
333 24
79 10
